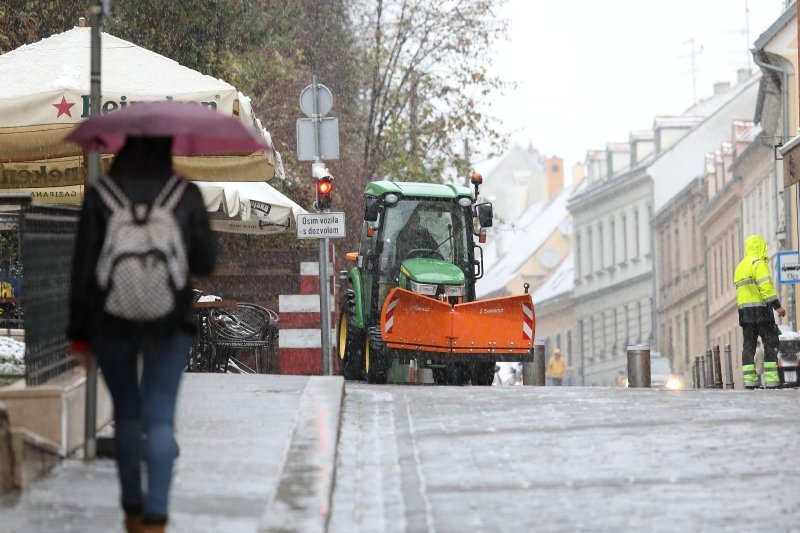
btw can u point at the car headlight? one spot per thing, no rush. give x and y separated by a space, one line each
454 290
426 289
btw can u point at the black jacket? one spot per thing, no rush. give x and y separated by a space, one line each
87 318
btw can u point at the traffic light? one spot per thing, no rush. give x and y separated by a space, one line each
324 190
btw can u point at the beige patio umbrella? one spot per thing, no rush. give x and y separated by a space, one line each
45 93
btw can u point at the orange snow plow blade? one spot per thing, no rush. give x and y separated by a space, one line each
500 325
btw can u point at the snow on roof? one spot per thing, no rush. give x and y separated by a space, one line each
618 147
745 131
709 106
528 234
643 135
681 121
560 282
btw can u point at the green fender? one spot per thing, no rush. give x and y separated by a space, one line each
355 283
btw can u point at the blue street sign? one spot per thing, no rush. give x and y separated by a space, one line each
789 267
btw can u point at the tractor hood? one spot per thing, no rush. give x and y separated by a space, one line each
433 271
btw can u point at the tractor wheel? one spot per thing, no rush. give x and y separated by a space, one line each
375 359
349 346
458 374
440 376
482 374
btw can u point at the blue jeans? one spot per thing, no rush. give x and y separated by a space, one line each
147 407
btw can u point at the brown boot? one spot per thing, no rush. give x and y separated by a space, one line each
133 523
153 528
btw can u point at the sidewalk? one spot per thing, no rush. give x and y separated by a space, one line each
235 432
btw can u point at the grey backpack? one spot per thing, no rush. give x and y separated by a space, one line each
143 262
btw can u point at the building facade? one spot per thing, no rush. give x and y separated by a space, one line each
680 274
555 316
613 265
721 230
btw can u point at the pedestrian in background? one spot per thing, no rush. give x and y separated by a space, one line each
757 299
556 368
128 301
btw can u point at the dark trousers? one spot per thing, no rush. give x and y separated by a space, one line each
768 332
148 406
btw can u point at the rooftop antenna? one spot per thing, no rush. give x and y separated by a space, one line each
695 51
747 33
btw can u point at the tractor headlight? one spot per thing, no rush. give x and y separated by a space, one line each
454 290
427 289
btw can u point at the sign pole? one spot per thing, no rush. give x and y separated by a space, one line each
90 420
324 291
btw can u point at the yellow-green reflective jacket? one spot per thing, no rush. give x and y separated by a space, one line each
755 294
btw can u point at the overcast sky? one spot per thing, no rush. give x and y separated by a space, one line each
589 71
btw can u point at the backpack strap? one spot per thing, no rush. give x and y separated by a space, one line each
111 194
172 193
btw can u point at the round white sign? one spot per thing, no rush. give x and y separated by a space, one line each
324 100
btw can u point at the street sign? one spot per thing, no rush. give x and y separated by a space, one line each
320 226
789 267
328 139
324 100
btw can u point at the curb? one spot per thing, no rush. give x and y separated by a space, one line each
302 498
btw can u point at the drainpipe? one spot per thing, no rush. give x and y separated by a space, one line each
787 205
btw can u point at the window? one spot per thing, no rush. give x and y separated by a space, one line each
624 238
613 242
639 321
686 333
578 255
590 254
635 233
627 327
602 243
677 252
569 347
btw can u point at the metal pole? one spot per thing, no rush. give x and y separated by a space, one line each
639 366
729 383
324 291
533 374
90 418
700 361
717 369
708 370
695 374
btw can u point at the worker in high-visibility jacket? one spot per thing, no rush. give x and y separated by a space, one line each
757 299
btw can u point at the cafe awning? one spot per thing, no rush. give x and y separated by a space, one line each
45 93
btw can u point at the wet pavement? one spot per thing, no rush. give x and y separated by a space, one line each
566 459
257 452
233 431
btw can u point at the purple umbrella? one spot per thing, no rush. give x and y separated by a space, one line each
195 129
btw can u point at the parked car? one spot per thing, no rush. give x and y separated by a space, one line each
661 375
788 354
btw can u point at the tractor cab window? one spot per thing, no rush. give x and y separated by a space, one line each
433 229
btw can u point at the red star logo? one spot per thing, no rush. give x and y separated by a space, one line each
63 107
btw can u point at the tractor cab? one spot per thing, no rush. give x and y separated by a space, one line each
412 290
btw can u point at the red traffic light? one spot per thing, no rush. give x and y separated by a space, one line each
324 189
324 186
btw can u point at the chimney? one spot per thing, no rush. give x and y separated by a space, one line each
721 87
82 22
743 74
554 171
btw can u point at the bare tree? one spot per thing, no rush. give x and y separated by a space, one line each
426 83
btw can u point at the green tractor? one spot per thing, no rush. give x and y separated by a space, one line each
411 294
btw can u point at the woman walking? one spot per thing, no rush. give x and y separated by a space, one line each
142 232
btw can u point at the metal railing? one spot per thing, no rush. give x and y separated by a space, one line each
48 239
707 371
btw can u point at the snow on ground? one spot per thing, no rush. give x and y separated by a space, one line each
12 357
